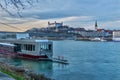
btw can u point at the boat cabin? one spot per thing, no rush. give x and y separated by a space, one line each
32 48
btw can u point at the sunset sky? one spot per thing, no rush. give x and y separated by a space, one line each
75 13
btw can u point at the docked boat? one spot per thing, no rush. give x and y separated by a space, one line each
98 39
95 39
103 40
27 48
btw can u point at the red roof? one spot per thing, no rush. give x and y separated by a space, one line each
99 30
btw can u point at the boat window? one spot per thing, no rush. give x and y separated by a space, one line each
17 48
50 47
33 47
29 47
46 46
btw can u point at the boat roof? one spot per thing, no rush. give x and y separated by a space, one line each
41 40
7 44
24 41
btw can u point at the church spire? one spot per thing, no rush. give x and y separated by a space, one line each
96 26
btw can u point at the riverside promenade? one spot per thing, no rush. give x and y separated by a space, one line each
5 77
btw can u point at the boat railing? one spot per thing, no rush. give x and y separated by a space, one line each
60 60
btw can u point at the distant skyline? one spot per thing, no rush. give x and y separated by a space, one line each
75 13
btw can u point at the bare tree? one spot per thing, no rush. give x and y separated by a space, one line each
18 5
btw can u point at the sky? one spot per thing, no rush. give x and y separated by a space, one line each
75 13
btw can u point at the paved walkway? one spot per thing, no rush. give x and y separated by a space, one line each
5 77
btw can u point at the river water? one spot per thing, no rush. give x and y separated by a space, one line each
87 61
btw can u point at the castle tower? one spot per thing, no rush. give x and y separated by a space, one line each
96 26
48 24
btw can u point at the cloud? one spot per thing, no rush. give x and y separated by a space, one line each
86 22
29 23
110 24
76 13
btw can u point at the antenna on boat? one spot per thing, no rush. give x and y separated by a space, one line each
10 25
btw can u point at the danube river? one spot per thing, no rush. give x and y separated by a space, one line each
87 61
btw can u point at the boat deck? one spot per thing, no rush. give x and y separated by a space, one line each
63 61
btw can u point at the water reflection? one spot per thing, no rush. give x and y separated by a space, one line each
42 67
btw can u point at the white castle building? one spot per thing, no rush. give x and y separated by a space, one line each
55 24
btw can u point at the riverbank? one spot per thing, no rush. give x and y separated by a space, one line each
5 76
20 73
